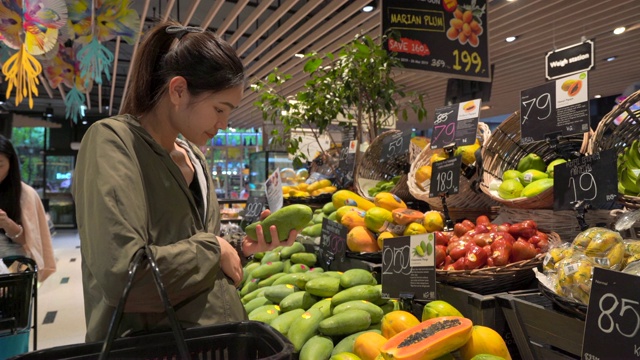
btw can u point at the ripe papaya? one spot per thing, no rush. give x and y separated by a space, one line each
345 197
361 239
318 185
406 216
389 201
377 219
346 344
288 218
438 308
343 210
352 219
430 339
367 346
397 321
484 340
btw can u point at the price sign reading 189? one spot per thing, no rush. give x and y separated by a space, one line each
445 177
613 316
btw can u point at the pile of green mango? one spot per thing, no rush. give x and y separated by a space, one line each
384 185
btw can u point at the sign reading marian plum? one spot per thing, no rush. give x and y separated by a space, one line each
446 36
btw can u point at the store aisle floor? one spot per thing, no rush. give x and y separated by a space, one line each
60 300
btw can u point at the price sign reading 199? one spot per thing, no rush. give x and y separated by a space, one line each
468 60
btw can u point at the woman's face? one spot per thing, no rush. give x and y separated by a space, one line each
4 166
207 114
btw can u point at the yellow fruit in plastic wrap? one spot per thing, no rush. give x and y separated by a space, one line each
604 246
574 276
631 247
554 255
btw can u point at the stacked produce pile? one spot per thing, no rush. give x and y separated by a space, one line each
329 314
569 266
423 174
531 177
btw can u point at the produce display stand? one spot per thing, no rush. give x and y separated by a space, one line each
18 306
539 330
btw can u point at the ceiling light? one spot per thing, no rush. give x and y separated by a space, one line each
84 122
597 96
485 107
299 55
619 30
511 39
611 58
48 112
368 8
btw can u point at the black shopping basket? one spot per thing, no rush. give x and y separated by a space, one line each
247 340
18 296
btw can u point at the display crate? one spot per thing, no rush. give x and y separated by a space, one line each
541 332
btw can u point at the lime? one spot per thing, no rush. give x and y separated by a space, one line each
510 189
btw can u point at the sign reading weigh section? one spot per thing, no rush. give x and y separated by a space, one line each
445 36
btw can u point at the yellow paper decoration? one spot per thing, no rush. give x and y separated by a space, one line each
21 71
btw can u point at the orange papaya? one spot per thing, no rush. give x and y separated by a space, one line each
397 321
353 218
406 216
429 340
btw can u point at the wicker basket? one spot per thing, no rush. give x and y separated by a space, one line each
609 135
467 198
563 223
503 152
371 169
565 304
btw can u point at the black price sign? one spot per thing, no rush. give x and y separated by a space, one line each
408 267
592 179
445 36
556 108
395 145
346 161
254 207
456 123
445 177
613 317
333 242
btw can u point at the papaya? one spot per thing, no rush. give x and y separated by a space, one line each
296 247
532 175
345 197
550 168
367 346
574 88
374 310
438 308
430 339
324 286
384 235
345 356
406 216
361 239
343 210
397 321
283 322
265 313
537 187
346 344
531 161
484 340
352 219
345 323
388 201
317 348
304 327
353 277
377 219
248 268
290 217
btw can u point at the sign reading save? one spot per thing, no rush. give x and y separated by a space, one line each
569 60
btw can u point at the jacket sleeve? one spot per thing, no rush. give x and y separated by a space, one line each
113 221
37 234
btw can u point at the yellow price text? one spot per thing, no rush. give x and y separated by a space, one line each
467 59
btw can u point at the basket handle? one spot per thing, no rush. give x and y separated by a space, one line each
139 256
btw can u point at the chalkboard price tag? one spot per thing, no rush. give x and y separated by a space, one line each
333 243
613 317
395 145
408 267
592 179
555 108
445 177
346 161
456 124
255 205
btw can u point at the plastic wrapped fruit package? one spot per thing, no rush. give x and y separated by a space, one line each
574 276
605 247
632 268
631 252
557 252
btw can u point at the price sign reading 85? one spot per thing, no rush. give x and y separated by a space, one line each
613 316
445 177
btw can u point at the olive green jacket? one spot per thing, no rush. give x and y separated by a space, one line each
129 192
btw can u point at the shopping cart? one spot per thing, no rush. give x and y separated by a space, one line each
18 296
247 340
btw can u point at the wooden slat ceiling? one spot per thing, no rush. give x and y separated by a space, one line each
268 33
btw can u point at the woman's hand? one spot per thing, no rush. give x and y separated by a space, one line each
230 261
250 247
9 226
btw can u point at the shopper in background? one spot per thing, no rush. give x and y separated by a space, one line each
137 183
24 230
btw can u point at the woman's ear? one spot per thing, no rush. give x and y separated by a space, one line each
178 91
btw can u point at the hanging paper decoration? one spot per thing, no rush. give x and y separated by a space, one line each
73 102
112 18
39 21
64 69
94 59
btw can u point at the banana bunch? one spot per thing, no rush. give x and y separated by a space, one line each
629 169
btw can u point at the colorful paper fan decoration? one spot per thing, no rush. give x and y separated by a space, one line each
94 57
64 69
39 21
112 18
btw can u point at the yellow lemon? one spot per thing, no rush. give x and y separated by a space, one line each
433 221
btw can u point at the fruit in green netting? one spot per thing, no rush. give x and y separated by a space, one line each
438 308
511 174
288 218
537 187
510 189
531 161
553 164
532 175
